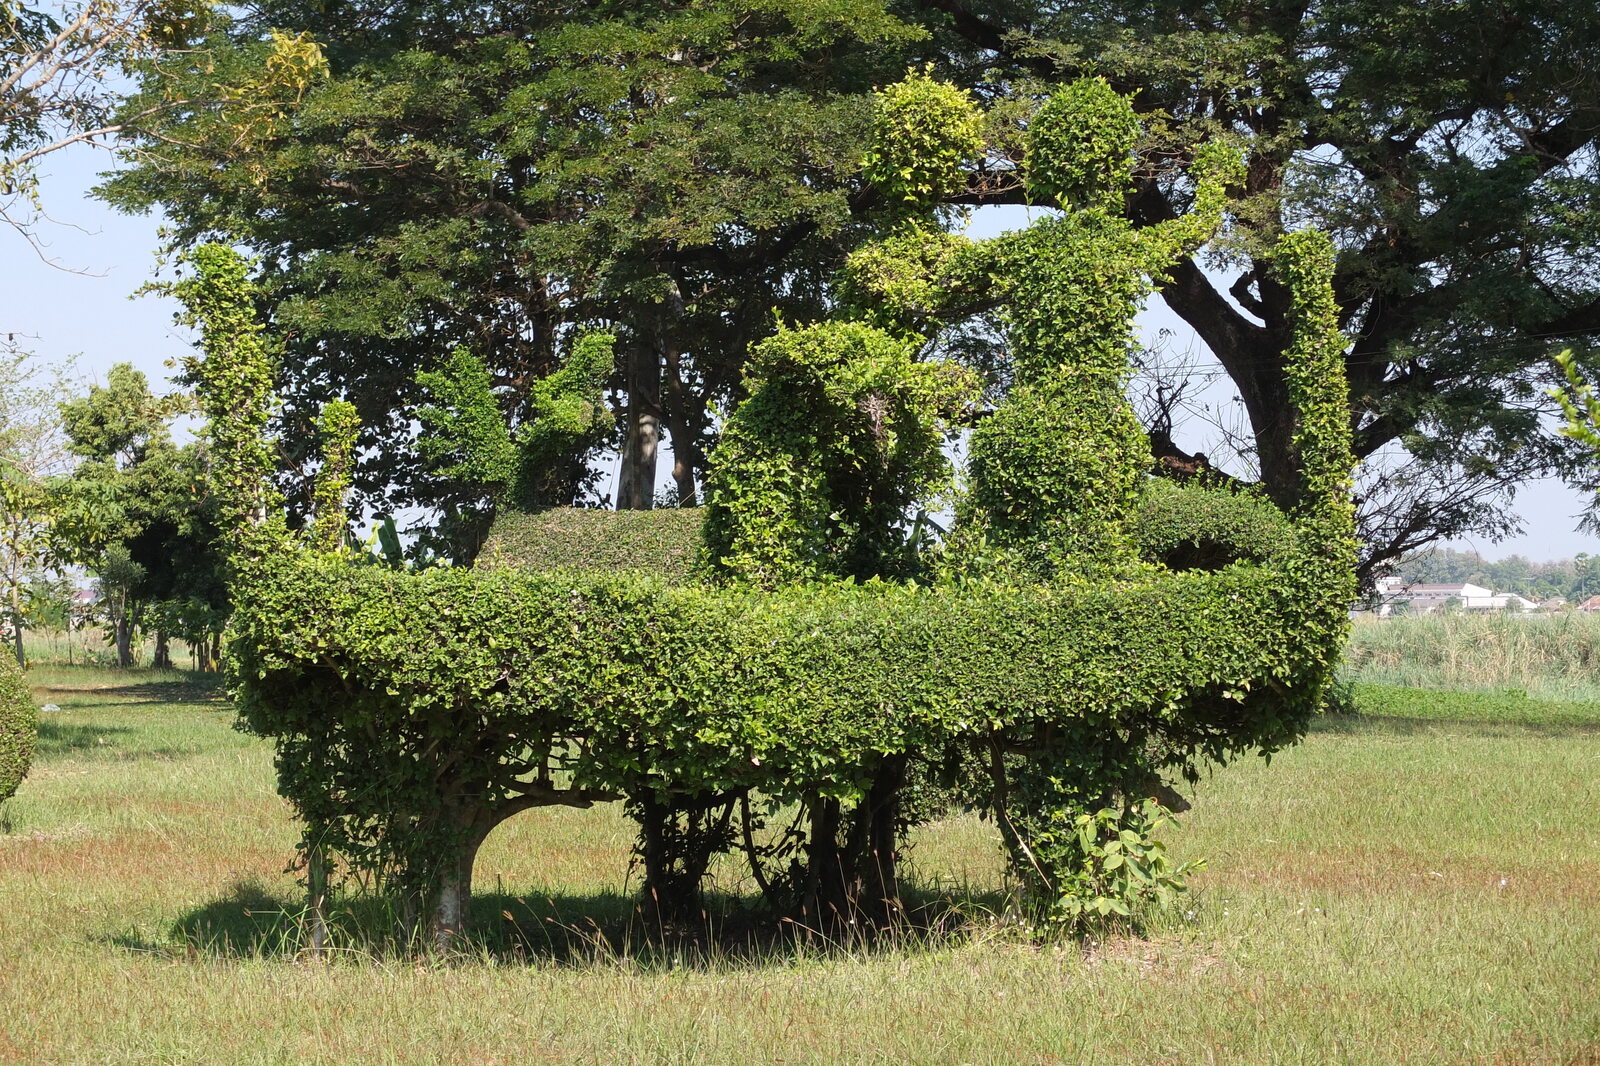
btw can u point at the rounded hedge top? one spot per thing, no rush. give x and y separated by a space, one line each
19 727
1080 146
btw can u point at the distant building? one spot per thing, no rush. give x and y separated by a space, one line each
1396 597
1590 604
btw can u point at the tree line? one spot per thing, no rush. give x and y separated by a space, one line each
94 481
419 179
1574 579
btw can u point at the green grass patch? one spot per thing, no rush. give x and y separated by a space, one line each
1414 884
1498 706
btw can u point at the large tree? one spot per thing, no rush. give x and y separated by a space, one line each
494 176
498 177
1451 149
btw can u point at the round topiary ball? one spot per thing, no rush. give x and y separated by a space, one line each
19 727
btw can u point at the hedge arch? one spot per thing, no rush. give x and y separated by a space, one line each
1066 650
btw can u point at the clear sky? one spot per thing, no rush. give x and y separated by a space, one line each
82 306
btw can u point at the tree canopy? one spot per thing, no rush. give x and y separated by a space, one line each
491 177
1451 151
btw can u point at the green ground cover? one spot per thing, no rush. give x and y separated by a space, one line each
1415 884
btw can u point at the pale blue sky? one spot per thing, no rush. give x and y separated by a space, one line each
86 310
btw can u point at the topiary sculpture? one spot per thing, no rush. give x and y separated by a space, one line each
1056 651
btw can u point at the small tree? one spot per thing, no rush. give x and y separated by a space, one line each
32 450
134 510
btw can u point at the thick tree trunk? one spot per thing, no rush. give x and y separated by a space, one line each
16 638
679 837
681 413
636 479
880 881
854 884
824 895
452 907
163 658
124 640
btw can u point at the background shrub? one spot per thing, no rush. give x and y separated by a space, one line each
19 727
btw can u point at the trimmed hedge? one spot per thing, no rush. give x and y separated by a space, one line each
19 727
663 543
1194 527
616 683
412 712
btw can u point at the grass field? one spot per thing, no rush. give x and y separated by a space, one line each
1420 885
1550 656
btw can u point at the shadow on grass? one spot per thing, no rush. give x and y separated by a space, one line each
1369 725
251 922
125 688
61 738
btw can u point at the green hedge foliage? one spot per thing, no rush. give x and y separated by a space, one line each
840 436
664 543
19 728
1148 630
613 682
1197 527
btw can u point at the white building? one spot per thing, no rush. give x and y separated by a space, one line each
1426 598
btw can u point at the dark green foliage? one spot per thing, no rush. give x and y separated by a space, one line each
19 727
539 463
498 176
663 543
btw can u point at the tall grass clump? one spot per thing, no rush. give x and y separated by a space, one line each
1555 655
